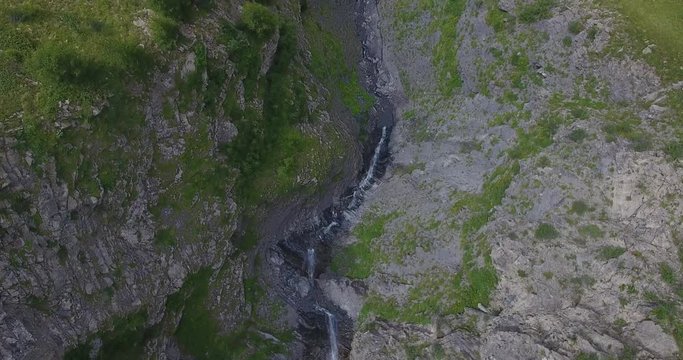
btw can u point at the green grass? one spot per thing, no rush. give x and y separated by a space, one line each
446 14
57 51
535 11
611 252
546 231
667 273
627 126
358 260
655 22
537 138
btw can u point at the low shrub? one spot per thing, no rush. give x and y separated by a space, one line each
536 11
546 231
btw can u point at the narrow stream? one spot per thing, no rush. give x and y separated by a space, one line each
324 330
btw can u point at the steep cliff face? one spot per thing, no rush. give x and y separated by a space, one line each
533 208
142 145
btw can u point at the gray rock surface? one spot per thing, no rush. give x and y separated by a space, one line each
591 287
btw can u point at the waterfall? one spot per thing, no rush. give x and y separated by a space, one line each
367 181
310 264
332 332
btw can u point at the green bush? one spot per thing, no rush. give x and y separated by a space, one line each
567 41
578 135
674 150
546 232
611 252
575 27
536 11
579 207
592 231
259 19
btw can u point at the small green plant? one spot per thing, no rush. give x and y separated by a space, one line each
667 273
674 150
165 237
536 11
548 275
592 33
522 273
592 231
546 231
567 41
611 252
579 207
575 27
578 135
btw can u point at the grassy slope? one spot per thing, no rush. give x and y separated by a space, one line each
88 51
655 22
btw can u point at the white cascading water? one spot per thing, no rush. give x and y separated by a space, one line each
332 331
310 264
366 183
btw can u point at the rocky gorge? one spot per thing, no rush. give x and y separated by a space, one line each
459 179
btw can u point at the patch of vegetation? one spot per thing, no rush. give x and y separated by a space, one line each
655 22
578 135
165 237
125 339
579 207
611 252
358 260
328 63
625 125
477 278
575 27
199 334
498 19
440 293
674 150
592 231
166 32
546 231
537 138
445 18
535 11
271 151
667 273
567 41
